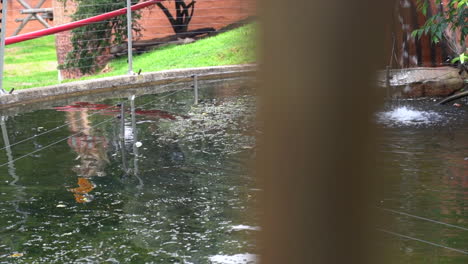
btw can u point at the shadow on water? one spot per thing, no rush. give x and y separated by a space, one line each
86 186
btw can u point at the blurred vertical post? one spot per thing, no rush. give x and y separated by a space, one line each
6 141
122 120
135 136
129 37
195 89
2 42
318 62
122 136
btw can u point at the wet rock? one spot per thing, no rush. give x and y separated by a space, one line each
422 82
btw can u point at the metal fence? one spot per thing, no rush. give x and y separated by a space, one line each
110 40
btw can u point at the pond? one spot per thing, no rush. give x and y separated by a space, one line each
424 160
80 183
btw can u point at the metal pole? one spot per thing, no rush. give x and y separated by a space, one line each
195 88
2 42
130 37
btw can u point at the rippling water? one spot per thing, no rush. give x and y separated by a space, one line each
404 115
424 159
174 189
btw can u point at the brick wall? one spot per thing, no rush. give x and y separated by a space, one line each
63 44
208 13
14 8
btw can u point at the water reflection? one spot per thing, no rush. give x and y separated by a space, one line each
19 192
6 141
187 195
136 144
425 187
91 150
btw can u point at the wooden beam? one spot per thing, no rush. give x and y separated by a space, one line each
36 10
31 19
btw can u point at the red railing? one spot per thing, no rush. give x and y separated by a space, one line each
79 23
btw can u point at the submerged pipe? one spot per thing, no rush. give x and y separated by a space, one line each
454 97
75 24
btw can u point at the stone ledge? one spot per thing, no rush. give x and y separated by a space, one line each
422 81
115 83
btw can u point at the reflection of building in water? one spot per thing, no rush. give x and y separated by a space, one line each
91 150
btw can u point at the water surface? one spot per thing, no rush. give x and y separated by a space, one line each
175 187
424 160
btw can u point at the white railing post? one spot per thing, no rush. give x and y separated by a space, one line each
130 37
2 42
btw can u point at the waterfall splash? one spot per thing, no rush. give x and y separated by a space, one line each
406 116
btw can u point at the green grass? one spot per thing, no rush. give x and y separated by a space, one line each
33 63
30 63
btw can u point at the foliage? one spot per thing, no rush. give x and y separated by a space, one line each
454 18
90 42
462 58
183 15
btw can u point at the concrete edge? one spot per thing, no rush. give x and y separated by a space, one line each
54 92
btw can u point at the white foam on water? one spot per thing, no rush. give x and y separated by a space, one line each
408 116
234 259
245 227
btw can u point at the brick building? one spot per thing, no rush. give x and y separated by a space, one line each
208 13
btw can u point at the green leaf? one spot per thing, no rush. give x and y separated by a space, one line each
420 33
454 60
453 16
439 34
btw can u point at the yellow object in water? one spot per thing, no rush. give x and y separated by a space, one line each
85 186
